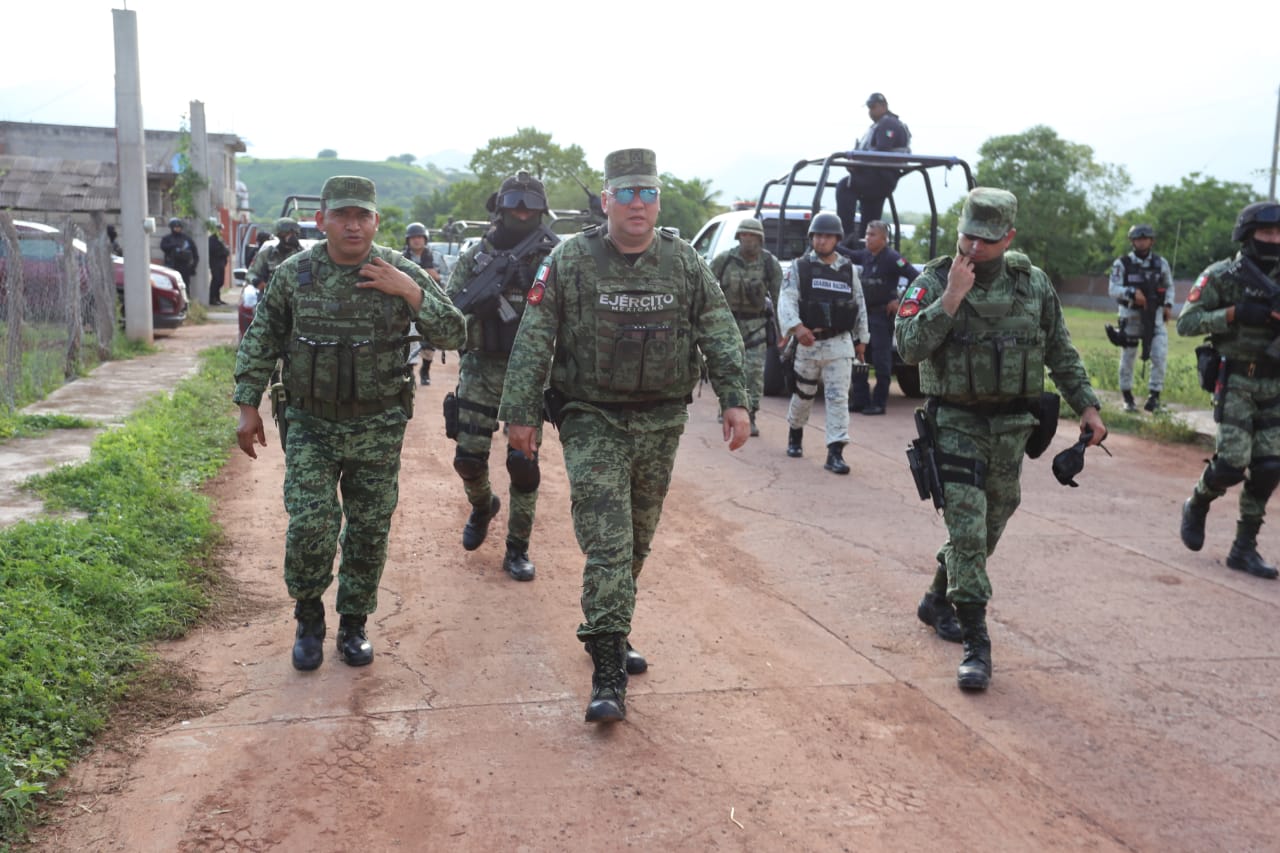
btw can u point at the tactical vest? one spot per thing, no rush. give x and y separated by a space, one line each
826 296
349 348
879 290
745 284
1149 279
496 335
643 336
995 350
1235 284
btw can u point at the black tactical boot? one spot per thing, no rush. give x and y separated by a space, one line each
1244 554
609 681
1153 402
755 430
835 461
426 371
1129 404
636 663
308 643
516 563
477 527
794 438
975 671
1194 512
353 644
935 611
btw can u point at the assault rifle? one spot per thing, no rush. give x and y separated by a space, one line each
1260 288
490 275
1153 293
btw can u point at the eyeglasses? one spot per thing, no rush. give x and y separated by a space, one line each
648 195
987 240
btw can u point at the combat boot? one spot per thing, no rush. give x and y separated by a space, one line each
353 644
308 643
935 611
755 430
835 459
636 663
794 439
426 371
1153 402
516 563
477 527
975 670
1129 404
609 681
1244 554
1194 512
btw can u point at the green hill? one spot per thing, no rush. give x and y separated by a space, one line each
269 181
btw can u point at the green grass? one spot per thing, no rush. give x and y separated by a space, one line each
82 598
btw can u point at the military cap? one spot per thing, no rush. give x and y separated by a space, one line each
349 191
631 167
876 98
286 223
750 226
988 213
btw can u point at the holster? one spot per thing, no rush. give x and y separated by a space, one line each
1046 408
553 402
450 406
1207 365
279 401
787 360
1119 338
922 460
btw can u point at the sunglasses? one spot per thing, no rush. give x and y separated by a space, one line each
986 240
648 195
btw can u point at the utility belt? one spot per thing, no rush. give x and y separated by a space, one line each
355 408
636 405
1254 369
828 334
1016 406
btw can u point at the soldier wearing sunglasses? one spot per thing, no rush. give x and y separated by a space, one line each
618 320
983 327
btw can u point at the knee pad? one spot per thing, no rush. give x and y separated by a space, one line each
524 472
1220 476
1264 476
470 466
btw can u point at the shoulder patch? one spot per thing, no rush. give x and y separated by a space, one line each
1194 295
539 287
908 309
910 306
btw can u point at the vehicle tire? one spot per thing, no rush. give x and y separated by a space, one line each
908 377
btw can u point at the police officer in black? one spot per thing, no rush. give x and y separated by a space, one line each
867 187
882 267
180 252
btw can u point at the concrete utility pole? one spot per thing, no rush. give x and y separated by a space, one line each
1275 148
198 157
131 160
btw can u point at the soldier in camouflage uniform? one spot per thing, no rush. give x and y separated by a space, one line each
1233 302
1132 277
750 277
340 315
983 327
269 258
618 316
517 209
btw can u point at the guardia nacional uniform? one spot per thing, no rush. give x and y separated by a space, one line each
1128 274
984 370
619 336
345 352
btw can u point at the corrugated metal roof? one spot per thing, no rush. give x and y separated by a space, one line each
55 185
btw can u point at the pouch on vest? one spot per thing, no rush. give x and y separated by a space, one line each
1207 362
1046 408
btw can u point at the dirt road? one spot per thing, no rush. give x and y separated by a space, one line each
792 702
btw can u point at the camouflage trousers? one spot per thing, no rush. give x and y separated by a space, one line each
1248 431
359 459
618 479
753 340
480 378
1129 355
976 517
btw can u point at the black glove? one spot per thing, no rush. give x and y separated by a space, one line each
1253 314
1070 462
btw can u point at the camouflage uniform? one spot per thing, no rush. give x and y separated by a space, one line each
340 444
267 261
746 285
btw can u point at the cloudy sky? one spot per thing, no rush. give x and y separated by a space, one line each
720 91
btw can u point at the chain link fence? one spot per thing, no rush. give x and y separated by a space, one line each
58 305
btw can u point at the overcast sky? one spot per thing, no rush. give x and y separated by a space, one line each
720 91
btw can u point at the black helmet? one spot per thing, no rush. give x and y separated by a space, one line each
1253 215
416 229
1142 231
826 223
524 189
175 221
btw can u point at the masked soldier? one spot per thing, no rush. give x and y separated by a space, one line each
342 311
1142 283
270 257
417 250
822 307
750 277
983 327
489 284
1234 303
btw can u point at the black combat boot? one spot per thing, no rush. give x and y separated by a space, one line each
1129 404
795 438
835 459
516 562
353 644
477 527
636 663
1153 402
1194 512
935 611
426 371
975 671
1244 554
609 681
308 643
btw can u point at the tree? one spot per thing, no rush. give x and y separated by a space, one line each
1193 222
1066 202
686 205
528 149
327 154
407 159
